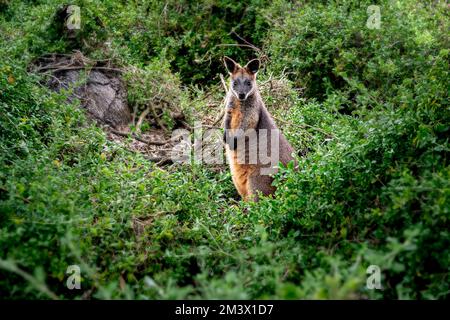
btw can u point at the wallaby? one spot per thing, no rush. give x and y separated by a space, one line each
246 117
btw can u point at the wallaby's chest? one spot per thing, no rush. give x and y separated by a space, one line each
239 171
235 115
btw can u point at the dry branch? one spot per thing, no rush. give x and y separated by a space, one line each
141 119
135 136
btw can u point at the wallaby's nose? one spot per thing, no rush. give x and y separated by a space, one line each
241 96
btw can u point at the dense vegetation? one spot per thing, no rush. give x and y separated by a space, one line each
367 110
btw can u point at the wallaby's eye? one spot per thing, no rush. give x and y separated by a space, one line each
248 83
234 84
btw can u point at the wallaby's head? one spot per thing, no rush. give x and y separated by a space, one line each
243 79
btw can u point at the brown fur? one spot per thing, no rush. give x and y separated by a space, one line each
241 174
235 115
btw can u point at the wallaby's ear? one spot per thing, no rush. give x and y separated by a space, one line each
230 64
253 65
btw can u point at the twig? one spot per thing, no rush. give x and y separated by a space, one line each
133 118
158 119
304 125
248 43
159 160
222 113
219 117
11 266
268 81
56 68
135 136
237 45
141 118
206 126
224 84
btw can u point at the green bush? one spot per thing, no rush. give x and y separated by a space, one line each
366 110
330 52
192 36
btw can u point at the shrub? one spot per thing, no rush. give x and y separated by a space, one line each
366 110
